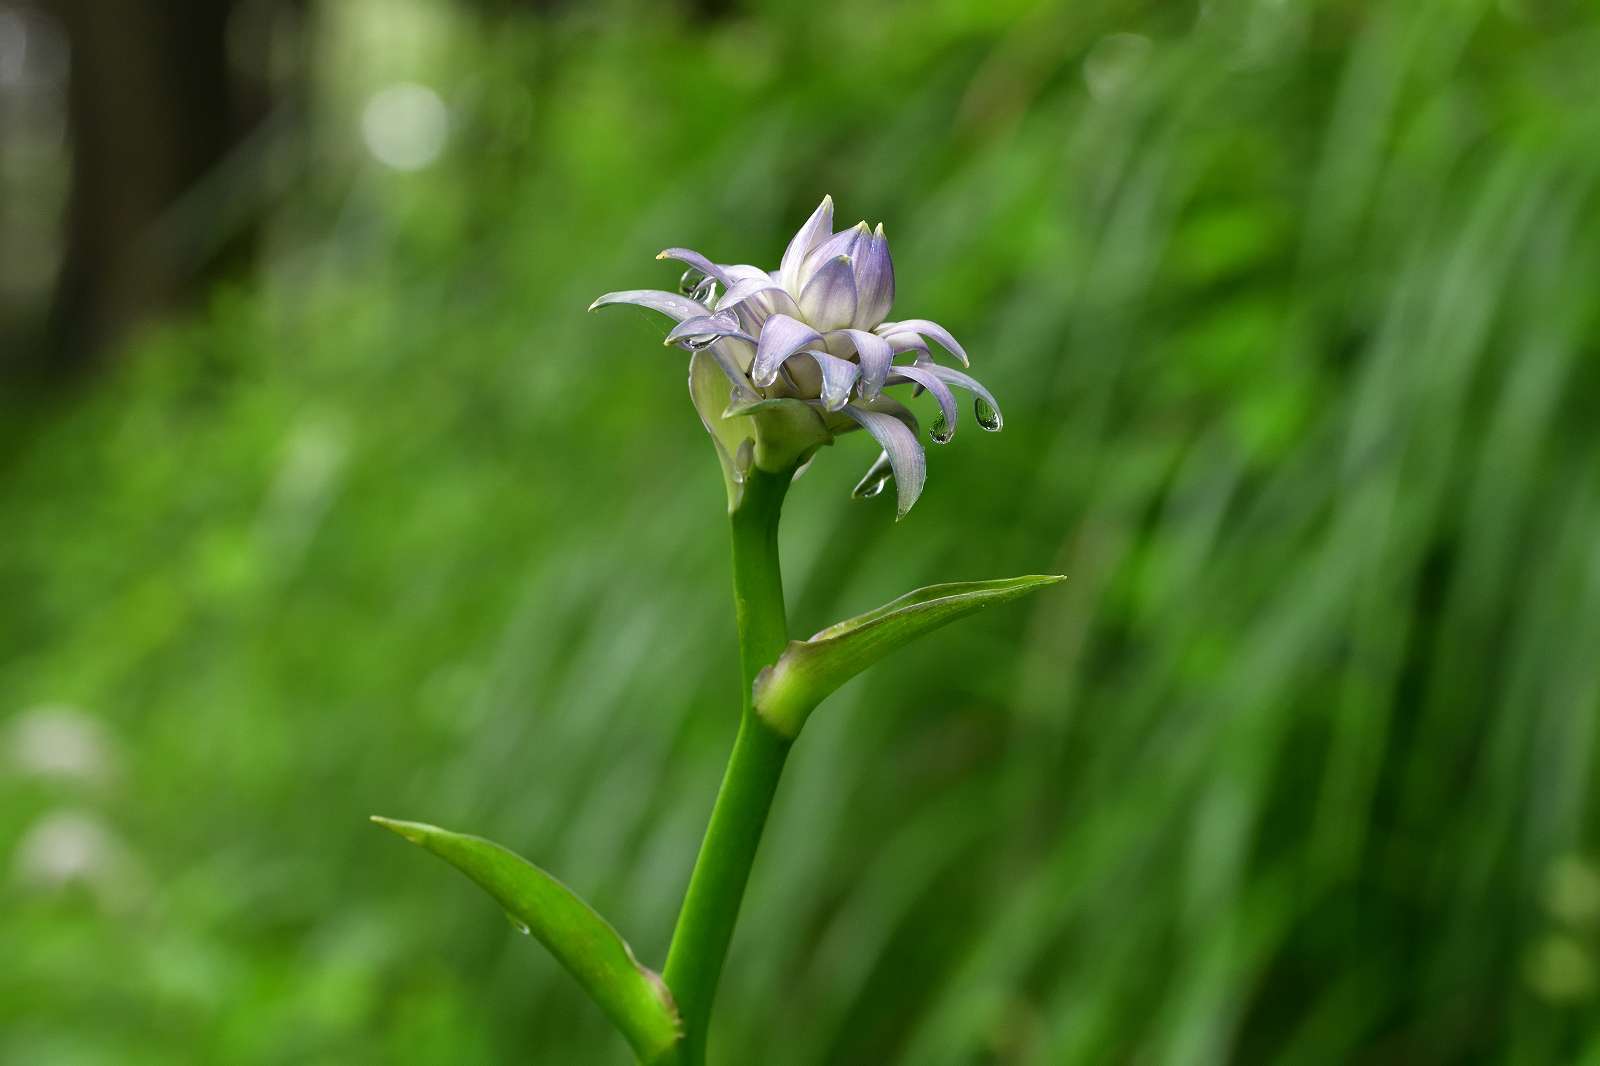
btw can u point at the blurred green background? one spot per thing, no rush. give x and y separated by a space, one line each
321 496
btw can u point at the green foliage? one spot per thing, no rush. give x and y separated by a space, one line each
1291 311
809 671
632 996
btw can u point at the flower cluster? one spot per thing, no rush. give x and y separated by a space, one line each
784 361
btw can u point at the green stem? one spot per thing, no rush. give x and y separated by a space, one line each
711 906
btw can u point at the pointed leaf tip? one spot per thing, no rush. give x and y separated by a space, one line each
809 671
635 999
416 832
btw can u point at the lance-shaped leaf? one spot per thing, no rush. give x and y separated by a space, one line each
634 998
808 671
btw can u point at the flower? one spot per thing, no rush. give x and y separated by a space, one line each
784 361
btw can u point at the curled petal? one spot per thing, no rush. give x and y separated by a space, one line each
728 364
744 289
875 354
781 337
721 324
907 342
949 411
738 272
829 298
674 304
874 280
910 466
888 405
757 297
984 406
927 329
752 308
817 228
692 258
882 403
837 377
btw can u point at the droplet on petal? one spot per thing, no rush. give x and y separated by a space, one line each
698 286
939 431
987 416
875 480
866 490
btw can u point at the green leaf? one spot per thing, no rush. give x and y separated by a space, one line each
632 996
810 670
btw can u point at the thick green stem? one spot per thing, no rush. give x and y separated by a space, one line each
711 906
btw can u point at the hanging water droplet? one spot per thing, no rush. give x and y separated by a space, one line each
868 489
691 280
940 431
988 417
518 924
698 341
705 292
876 479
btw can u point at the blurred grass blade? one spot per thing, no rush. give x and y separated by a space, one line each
809 670
632 996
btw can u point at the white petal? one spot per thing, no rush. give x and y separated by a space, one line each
814 232
674 304
874 280
829 298
900 444
781 337
928 329
837 377
875 355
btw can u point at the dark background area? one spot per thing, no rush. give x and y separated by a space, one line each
321 496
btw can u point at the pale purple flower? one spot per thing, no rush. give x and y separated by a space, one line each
784 360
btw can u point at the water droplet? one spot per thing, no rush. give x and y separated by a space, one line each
988 417
698 341
518 924
876 479
940 432
868 489
697 286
